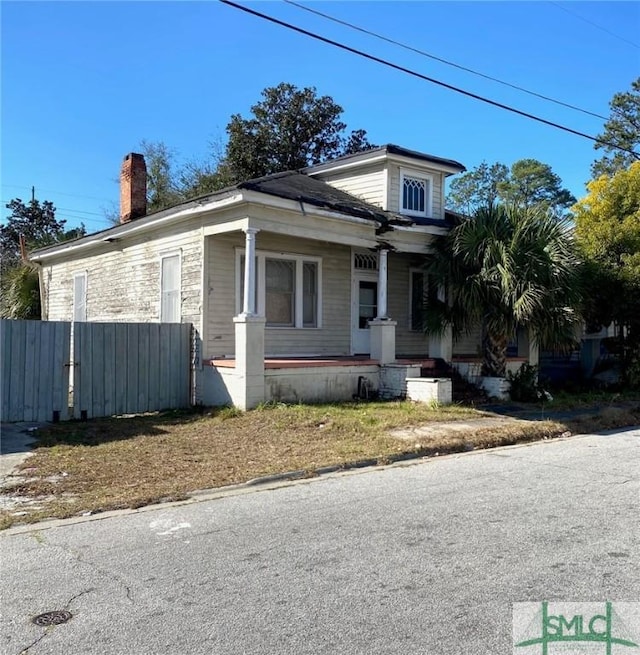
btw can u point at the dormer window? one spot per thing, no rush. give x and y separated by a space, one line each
416 193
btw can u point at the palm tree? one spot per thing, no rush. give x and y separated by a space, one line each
504 268
20 287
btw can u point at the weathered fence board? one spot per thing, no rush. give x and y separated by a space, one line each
128 368
34 369
118 368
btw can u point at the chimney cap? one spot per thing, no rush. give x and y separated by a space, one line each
134 155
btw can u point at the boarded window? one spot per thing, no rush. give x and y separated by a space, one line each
170 290
80 297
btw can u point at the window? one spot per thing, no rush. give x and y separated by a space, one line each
415 192
280 292
287 289
80 297
170 289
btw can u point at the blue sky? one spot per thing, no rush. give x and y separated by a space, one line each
84 82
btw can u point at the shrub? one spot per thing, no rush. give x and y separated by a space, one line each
525 385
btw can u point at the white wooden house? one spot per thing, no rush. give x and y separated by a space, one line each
299 285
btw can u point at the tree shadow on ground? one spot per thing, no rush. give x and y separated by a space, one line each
116 428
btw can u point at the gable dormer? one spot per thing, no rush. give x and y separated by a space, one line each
393 178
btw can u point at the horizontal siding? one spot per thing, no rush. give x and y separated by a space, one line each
368 184
123 283
438 190
333 338
469 344
408 342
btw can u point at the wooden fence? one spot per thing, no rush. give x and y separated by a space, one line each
114 368
35 370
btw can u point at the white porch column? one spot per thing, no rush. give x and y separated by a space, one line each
249 371
382 284
248 390
382 331
249 304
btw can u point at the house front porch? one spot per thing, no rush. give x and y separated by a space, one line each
324 379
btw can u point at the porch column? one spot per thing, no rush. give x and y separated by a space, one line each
382 331
382 284
249 371
248 390
249 304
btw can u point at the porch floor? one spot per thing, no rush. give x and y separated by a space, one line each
310 362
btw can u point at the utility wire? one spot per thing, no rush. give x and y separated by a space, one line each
60 193
586 20
441 60
413 73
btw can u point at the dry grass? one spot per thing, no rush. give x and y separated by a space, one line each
130 462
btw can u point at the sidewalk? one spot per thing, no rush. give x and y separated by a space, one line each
16 440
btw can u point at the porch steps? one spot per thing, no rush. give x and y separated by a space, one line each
463 391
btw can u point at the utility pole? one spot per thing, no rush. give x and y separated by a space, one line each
33 193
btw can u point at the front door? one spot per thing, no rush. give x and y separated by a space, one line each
364 307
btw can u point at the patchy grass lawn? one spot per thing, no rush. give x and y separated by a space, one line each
94 466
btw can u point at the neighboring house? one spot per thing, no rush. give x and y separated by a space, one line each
300 285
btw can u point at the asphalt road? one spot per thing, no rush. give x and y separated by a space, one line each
420 558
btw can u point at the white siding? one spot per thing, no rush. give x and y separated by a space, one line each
123 281
437 192
368 184
333 338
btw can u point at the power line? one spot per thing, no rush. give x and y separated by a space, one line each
413 73
75 214
586 20
60 193
442 60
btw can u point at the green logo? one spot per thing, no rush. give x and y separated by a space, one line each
604 627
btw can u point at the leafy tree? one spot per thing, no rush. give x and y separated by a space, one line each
37 223
532 183
608 232
290 128
504 268
162 185
527 183
622 130
477 187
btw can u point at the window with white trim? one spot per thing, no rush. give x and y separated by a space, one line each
80 297
288 289
170 289
416 191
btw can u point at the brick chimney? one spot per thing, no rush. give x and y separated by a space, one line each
133 187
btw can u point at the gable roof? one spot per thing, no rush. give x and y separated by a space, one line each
388 149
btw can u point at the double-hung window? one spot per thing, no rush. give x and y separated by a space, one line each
287 289
416 191
170 289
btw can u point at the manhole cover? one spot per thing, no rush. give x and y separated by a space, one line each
52 618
